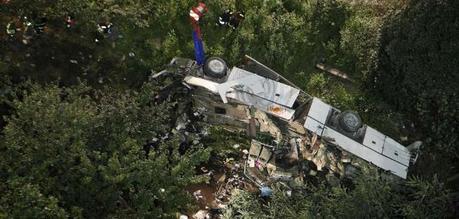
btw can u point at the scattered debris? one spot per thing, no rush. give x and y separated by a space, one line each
333 71
198 195
291 113
296 138
201 214
266 192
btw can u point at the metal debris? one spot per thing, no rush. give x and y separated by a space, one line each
290 143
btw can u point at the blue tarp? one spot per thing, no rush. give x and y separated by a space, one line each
266 192
198 49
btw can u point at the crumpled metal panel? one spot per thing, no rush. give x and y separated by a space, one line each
195 81
245 98
262 104
366 153
265 88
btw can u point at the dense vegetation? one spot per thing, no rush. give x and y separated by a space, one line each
79 152
372 197
420 53
73 133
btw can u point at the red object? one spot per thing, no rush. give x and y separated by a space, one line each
201 9
70 22
196 13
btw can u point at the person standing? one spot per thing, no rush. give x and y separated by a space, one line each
196 13
105 27
40 25
69 21
28 31
11 29
236 19
224 18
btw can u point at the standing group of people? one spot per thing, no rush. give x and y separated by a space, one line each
31 27
28 27
228 18
35 26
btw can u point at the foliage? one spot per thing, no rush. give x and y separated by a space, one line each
243 205
415 73
334 93
24 200
426 193
74 151
372 197
82 150
360 42
221 142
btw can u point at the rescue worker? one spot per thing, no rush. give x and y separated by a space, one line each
105 28
235 19
196 13
40 25
26 23
28 31
224 18
69 21
11 29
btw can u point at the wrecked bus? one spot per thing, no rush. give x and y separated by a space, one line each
234 93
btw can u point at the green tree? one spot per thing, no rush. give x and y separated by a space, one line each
83 150
24 200
417 75
372 196
427 199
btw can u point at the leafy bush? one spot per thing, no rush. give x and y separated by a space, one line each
416 74
84 151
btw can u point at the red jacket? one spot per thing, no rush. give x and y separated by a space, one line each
196 13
